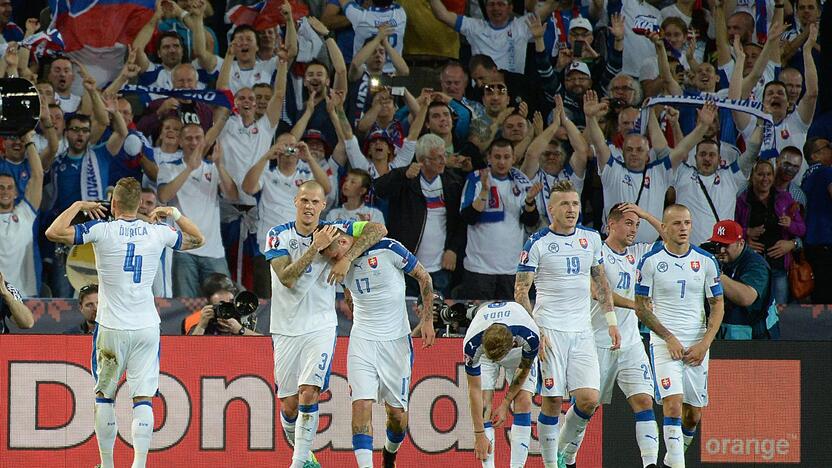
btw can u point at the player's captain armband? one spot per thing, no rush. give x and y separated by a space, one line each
611 318
355 228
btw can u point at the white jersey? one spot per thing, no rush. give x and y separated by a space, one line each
791 131
17 247
365 23
636 47
561 264
506 45
620 268
127 257
160 157
432 245
262 72
376 281
678 286
309 305
362 213
722 186
499 220
277 195
242 146
69 104
512 315
620 184
198 199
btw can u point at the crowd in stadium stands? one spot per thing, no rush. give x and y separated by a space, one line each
448 121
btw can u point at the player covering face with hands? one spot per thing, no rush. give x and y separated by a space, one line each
501 334
380 353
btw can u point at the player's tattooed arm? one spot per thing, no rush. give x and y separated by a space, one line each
425 290
717 305
288 272
190 242
370 235
644 312
522 283
603 293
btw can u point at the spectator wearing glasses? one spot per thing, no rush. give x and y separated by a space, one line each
771 221
88 305
817 185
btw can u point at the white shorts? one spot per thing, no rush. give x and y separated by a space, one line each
380 370
676 377
490 372
571 363
134 351
629 366
303 360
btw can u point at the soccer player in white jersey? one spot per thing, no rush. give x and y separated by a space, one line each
303 316
501 334
629 365
672 285
565 262
126 338
380 355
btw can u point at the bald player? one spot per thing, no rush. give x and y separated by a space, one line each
673 284
303 316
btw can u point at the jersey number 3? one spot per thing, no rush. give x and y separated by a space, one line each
133 262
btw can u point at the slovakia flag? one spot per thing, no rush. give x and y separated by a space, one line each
97 32
264 15
43 43
99 23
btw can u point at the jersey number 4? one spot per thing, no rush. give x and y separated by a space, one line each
133 263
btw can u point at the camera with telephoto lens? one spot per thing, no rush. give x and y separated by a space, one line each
452 319
244 303
711 247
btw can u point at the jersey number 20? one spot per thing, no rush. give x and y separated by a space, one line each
133 262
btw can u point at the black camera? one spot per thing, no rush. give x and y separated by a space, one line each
244 303
19 106
711 247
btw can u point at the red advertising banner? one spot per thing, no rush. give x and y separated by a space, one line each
753 414
217 408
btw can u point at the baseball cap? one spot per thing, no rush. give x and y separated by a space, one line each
580 22
313 134
579 67
726 231
378 134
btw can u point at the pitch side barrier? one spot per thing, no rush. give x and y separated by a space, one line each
217 408
797 322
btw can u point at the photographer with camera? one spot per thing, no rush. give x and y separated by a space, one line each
228 311
750 311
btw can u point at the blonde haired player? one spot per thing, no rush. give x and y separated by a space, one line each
565 262
126 337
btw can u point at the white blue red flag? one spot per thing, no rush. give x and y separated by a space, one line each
99 24
47 43
264 14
